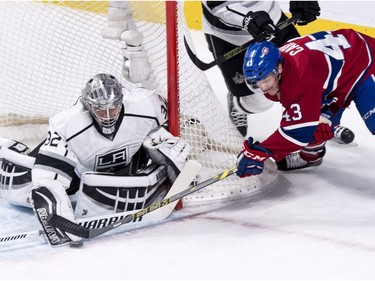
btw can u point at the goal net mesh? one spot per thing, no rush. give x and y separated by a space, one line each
49 49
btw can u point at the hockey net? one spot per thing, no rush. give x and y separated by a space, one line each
48 50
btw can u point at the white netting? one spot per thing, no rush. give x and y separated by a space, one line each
49 51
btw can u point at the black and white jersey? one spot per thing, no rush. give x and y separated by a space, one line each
75 146
224 19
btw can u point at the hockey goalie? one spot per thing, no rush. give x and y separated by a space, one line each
108 153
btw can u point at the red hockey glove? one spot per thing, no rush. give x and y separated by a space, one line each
251 159
323 133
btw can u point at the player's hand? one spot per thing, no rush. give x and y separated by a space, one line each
251 159
257 23
323 133
309 10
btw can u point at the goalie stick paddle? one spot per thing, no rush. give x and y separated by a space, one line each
88 233
204 66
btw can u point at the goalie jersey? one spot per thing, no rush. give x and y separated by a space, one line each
74 145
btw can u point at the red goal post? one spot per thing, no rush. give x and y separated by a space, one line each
172 67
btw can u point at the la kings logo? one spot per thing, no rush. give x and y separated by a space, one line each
111 159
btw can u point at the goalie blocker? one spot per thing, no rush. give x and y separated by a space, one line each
15 172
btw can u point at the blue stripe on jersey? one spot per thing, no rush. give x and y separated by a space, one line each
300 134
335 67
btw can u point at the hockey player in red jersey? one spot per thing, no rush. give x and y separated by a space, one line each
314 78
229 24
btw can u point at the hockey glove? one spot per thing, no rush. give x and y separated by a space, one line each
257 23
16 146
323 133
165 149
20 147
251 159
309 10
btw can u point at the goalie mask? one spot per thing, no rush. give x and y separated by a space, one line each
102 97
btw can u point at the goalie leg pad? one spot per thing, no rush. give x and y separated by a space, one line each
15 176
47 202
102 194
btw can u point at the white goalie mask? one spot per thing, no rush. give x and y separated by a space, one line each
102 97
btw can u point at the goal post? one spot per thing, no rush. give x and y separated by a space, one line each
49 50
172 68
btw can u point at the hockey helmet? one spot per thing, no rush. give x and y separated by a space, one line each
102 97
260 60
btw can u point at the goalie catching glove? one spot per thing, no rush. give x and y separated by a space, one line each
251 159
165 149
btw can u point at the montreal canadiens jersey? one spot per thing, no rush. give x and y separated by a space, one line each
74 145
321 68
224 19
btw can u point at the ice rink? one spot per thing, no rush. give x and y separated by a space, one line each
317 223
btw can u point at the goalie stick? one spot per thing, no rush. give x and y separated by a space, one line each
88 233
204 66
186 176
21 236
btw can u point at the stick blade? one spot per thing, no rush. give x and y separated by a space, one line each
186 176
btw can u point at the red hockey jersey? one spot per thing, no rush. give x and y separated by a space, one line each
318 69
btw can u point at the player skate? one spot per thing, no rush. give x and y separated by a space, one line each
294 161
343 135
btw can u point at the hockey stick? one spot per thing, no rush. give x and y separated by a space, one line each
15 237
187 175
204 66
88 233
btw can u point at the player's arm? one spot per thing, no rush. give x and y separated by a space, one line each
300 119
121 26
54 161
247 15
